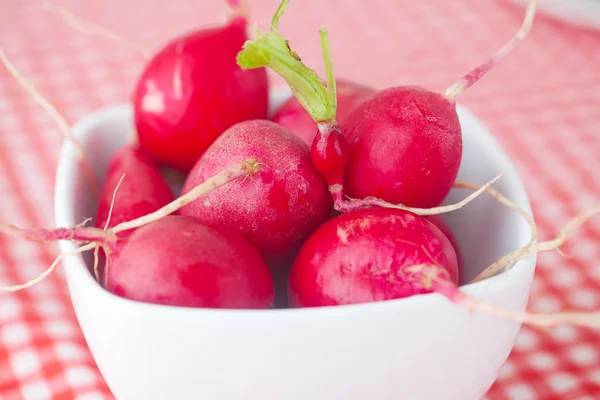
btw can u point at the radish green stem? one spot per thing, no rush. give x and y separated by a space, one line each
326 50
272 50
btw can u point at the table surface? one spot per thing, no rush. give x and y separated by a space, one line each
542 103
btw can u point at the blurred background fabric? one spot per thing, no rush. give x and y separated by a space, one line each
542 103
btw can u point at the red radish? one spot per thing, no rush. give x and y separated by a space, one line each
192 90
179 261
275 209
422 131
402 145
141 191
293 116
370 255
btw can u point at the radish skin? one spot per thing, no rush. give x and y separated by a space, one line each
275 209
179 261
370 255
421 129
191 91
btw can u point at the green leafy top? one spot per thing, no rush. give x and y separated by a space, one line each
273 51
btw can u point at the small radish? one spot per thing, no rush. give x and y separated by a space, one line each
402 145
275 209
171 259
293 116
370 255
142 188
179 261
192 90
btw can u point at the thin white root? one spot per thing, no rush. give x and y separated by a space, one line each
112 202
230 174
435 277
433 210
60 121
578 318
95 29
468 80
508 260
48 271
96 256
548 245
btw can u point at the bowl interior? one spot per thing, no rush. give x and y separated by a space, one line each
484 229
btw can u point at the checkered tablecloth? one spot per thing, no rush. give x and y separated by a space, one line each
543 103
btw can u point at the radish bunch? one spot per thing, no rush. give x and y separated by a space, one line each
330 201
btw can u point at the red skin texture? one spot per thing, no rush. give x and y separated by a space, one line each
277 208
142 191
294 117
364 256
439 222
193 90
179 261
405 147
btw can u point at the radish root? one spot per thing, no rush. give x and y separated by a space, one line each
435 278
96 260
472 77
112 202
549 245
110 210
96 30
55 115
353 204
505 262
48 271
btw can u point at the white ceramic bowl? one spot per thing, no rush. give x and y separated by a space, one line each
422 347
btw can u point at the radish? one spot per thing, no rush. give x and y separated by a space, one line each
192 90
293 116
142 189
275 209
402 145
179 261
371 255
171 259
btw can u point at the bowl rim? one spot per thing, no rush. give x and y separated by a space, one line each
77 272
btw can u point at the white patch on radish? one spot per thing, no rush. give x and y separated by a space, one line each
206 202
154 100
342 234
303 187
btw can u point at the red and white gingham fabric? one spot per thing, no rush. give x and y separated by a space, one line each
543 103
